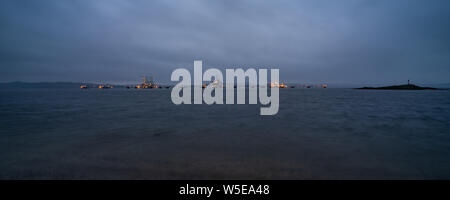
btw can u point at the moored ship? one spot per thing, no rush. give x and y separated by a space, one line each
147 84
105 87
279 85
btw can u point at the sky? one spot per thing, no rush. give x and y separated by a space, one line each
118 41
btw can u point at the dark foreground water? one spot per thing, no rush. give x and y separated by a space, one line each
140 134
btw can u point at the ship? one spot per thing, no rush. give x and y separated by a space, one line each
147 84
214 84
105 87
279 85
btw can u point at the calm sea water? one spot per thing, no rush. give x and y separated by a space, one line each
140 134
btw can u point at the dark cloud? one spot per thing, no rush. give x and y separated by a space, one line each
350 41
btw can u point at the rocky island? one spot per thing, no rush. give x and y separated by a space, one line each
398 87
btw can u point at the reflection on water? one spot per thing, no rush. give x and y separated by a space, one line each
140 134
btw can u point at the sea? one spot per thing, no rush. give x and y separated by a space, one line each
119 133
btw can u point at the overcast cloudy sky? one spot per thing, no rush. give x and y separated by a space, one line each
345 41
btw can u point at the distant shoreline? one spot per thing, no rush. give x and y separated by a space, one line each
21 84
398 87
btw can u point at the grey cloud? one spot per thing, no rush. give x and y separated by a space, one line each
351 41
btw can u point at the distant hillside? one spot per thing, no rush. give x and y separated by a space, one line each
398 87
40 85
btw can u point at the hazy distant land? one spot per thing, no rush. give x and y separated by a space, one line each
21 84
399 87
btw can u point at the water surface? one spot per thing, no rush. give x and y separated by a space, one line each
141 134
